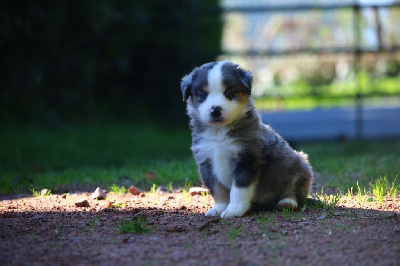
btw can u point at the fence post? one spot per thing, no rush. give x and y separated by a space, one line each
358 125
378 28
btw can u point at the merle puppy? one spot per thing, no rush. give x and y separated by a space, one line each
244 163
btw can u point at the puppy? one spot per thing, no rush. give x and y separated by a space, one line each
245 164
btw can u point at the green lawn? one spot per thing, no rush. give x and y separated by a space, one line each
300 95
93 155
342 164
103 155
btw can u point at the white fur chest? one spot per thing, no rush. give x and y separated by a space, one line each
218 147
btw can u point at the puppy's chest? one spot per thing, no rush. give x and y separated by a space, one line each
221 150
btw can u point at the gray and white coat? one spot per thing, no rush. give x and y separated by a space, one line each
245 164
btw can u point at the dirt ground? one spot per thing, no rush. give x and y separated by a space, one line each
52 230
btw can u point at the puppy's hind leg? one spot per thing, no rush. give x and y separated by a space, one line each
288 198
220 195
303 185
296 194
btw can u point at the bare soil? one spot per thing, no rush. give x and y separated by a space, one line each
52 230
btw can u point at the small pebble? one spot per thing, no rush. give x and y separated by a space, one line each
161 190
134 191
82 203
99 194
197 191
44 192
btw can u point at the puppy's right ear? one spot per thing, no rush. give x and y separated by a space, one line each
186 86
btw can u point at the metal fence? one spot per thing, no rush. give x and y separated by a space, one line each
361 54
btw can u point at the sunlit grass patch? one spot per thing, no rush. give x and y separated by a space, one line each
117 190
42 193
327 200
382 188
380 191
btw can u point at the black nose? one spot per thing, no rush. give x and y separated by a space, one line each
215 111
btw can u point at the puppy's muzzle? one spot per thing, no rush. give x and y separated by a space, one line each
216 112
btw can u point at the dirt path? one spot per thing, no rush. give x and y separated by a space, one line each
52 230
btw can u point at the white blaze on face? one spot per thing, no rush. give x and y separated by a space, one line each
229 109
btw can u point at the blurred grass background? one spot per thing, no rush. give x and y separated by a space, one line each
84 157
303 95
89 92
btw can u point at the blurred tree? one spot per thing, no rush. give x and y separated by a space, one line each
95 60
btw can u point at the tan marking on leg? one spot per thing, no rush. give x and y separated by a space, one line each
287 203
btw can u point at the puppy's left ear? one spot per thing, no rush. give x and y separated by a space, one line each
186 86
246 78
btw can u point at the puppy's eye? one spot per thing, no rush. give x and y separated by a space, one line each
202 96
229 94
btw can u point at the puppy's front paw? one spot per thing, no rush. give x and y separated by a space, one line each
217 209
234 210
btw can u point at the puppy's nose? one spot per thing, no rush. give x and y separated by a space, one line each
215 111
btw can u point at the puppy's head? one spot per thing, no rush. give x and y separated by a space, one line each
217 93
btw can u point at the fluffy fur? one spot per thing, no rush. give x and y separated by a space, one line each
245 164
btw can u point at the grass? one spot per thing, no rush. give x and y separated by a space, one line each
234 233
265 218
138 226
343 164
185 194
287 212
302 95
328 200
117 190
39 194
382 188
116 205
379 190
153 189
112 155
91 155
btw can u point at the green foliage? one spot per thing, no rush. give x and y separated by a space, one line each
170 187
35 193
117 204
304 94
58 229
39 194
394 189
328 200
341 165
94 222
153 189
117 190
265 218
350 192
94 155
382 188
137 226
185 195
50 158
204 194
234 233
287 212
101 60
362 194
